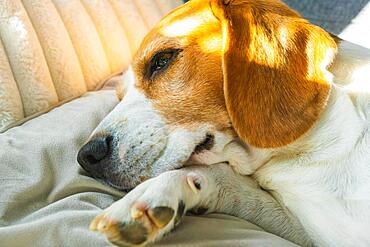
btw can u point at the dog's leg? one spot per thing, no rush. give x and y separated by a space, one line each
156 206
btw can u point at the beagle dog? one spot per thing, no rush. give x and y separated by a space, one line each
245 108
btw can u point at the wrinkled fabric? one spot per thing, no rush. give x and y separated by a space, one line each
55 50
46 199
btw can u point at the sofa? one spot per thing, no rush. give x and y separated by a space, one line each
57 58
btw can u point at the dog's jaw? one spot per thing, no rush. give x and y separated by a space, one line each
146 145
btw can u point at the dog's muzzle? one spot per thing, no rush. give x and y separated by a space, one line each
134 143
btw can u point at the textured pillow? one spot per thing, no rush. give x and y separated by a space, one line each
55 50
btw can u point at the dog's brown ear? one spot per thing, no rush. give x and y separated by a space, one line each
274 65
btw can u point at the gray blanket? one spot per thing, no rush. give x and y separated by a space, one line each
47 200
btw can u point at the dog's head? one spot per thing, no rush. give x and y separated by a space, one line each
211 79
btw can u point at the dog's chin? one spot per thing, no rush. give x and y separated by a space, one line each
114 185
118 182
203 153
118 187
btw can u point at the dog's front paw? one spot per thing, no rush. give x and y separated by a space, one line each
150 211
141 225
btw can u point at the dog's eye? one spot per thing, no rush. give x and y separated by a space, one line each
160 62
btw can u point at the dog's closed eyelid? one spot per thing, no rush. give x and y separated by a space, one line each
153 67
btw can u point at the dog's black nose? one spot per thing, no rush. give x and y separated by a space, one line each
93 153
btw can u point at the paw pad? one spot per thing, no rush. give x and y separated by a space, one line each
134 232
144 223
161 216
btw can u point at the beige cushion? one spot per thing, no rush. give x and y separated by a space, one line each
55 50
47 200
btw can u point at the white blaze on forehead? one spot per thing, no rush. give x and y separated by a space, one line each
185 26
134 103
181 27
123 82
134 96
128 78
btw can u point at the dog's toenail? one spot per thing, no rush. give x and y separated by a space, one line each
136 213
161 216
101 225
94 224
138 209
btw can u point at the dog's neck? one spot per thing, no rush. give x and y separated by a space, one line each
336 133
340 125
343 121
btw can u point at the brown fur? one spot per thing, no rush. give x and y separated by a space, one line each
275 89
191 90
268 76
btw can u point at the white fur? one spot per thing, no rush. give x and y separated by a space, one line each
219 186
321 181
351 67
325 178
146 145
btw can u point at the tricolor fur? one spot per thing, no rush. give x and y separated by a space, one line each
250 84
